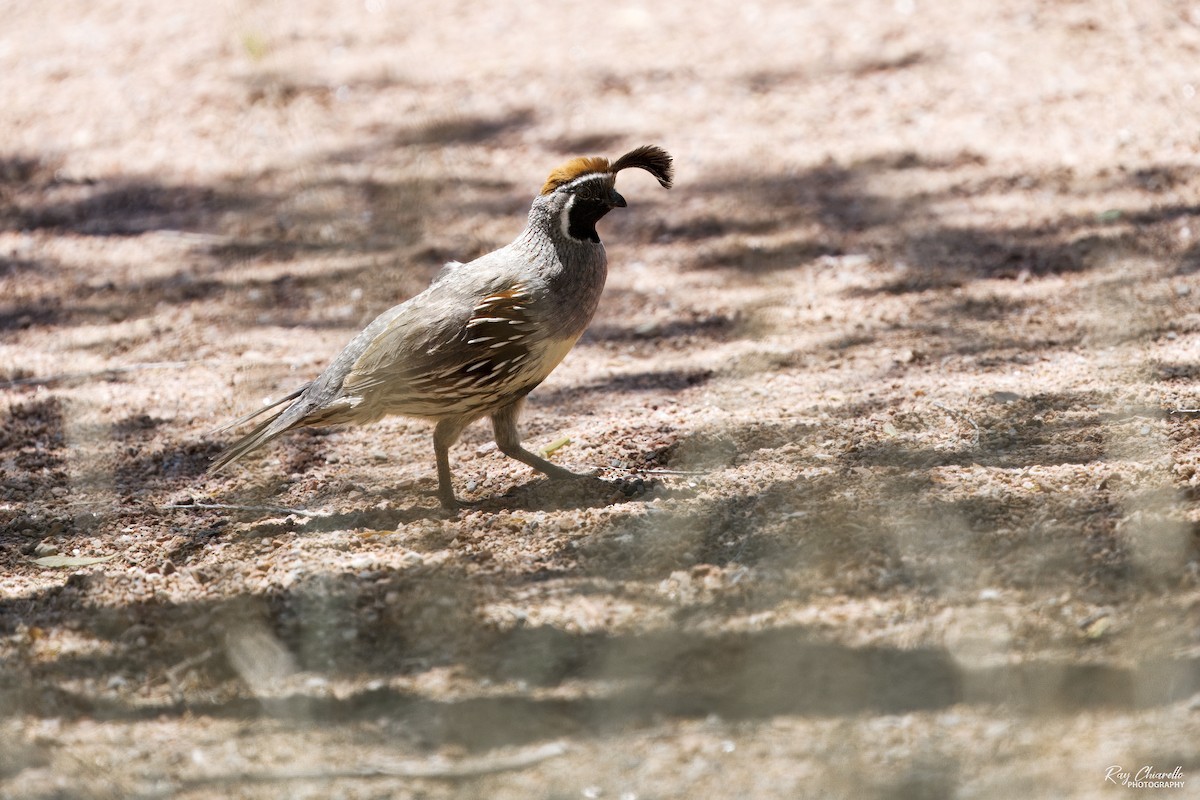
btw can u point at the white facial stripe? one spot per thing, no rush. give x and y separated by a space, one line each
591 176
564 217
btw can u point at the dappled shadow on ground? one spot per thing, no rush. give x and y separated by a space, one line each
313 207
713 326
337 624
1014 432
840 533
32 443
265 654
271 222
854 208
876 512
378 230
123 207
779 222
666 381
869 514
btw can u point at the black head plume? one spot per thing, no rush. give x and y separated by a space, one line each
653 159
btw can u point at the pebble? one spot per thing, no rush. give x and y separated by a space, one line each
45 549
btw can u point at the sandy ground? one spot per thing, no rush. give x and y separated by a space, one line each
891 401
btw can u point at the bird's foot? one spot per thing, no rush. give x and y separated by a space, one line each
451 503
563 474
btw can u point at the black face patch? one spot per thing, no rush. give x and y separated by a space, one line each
592 201
583 216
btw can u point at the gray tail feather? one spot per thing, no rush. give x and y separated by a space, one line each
265 431
242 420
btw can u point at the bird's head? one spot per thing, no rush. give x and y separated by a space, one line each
583 190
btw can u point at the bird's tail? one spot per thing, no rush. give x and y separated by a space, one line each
281 421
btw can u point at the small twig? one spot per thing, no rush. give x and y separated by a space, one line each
173 673
737 556
232 507
557 444
670 471
1189 412
459 770
961 416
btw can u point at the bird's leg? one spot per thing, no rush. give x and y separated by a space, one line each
504 423
444 436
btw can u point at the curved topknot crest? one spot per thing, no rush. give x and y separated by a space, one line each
653 159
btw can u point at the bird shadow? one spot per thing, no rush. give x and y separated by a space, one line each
537 494
583 491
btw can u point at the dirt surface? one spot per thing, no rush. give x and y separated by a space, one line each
889 397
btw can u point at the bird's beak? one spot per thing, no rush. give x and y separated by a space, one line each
615 200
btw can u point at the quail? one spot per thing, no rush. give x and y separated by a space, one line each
481 336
